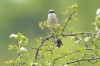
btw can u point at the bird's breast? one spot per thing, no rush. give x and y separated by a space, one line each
52 20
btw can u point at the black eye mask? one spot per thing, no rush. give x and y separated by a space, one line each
51 12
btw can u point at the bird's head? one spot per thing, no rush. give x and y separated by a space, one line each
51 11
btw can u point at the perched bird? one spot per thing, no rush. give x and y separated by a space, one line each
53 21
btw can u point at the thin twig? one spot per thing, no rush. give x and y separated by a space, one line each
94 44
69 54
19 55
84 59
12 64
80 33
68 21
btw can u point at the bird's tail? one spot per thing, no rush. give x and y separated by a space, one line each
58 42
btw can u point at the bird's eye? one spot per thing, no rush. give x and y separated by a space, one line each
50 12
53 12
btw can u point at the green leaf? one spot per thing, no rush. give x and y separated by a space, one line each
76 19
75 7
65 20
98 23
11 47
19 35
9 62
42 25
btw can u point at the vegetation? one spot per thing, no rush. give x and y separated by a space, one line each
53 50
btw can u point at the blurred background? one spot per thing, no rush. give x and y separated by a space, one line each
24 15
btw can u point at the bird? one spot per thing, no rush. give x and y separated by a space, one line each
52 21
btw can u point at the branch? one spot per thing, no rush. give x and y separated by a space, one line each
75 34
41 43
81 33
68 21
94 44
18 54
69 54
84 59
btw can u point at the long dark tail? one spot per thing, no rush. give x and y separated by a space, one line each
58 42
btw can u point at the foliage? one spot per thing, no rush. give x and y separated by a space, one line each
49 51
23 56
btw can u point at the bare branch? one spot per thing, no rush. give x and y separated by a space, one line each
84 59
68 21
41 43
94 44
81 33
69 54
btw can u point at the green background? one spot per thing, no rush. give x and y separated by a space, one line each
24 15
